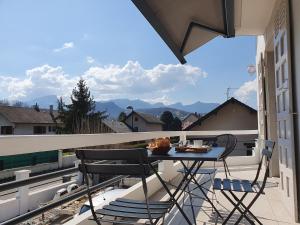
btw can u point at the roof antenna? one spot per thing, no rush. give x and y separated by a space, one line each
228 92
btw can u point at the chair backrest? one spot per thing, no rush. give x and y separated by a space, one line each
266 154
134 161
228 141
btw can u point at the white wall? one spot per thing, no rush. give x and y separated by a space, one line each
27 129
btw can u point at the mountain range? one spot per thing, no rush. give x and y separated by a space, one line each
116 106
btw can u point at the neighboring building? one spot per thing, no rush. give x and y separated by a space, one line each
189 119
26 121
112 126
231 115
143 122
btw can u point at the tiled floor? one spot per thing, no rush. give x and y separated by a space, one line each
268 208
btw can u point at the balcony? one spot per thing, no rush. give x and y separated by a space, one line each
268 208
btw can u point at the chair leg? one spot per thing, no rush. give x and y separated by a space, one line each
251 214
236 207
225 169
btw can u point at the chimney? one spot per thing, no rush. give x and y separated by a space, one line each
51 109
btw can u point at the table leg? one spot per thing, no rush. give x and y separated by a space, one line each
203 192
172 196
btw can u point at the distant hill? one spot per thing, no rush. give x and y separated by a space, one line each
114 107
111 108
136 104
200 107
158 111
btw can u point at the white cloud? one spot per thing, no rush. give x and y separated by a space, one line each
65 46
106 82
90 60
248 88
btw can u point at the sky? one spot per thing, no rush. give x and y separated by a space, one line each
47 46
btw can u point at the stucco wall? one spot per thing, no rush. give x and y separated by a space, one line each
27 129
230 117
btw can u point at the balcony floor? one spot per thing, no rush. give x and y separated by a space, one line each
268 208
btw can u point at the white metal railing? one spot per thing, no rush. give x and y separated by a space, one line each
20 144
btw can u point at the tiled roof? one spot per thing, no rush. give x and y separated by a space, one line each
148 118
26 115
117 126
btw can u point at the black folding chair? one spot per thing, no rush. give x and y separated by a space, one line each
246 187
228 141
122 211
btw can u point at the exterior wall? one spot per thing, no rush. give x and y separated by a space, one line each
231 117
27 129
142 125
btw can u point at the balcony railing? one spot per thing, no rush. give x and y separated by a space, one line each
12 145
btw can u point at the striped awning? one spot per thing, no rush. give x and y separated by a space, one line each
186 25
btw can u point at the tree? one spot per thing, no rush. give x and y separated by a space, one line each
4 102
176 124
167 118
80 116
122 117
36 107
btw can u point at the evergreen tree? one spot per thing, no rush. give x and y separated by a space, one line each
176 124
122 117
167 118
80 115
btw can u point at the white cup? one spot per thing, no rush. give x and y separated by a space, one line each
198 143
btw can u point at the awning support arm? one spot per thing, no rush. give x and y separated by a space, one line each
204 27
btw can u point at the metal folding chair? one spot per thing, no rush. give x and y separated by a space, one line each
246 187
228 141
122 211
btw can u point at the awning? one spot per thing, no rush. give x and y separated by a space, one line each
188 24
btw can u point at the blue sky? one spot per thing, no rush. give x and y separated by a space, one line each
47 45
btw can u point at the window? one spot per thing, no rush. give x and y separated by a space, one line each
280 154
6 130
51 129
39 130
136 118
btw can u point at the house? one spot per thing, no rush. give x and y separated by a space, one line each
112 126
276 23
189 119
143 122
231 115
26 121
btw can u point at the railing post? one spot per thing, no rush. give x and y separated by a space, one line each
79 174
23 192
182 137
